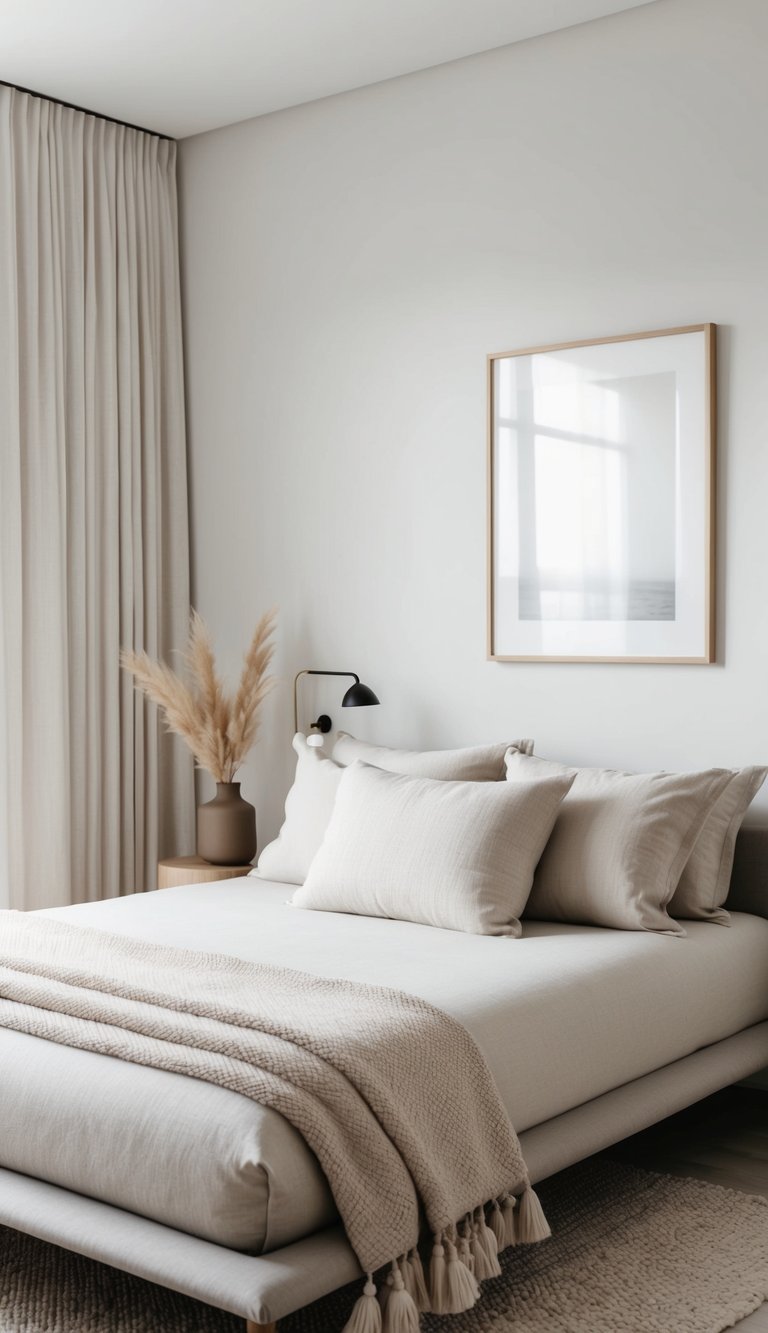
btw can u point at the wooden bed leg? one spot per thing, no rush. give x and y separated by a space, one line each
250 1327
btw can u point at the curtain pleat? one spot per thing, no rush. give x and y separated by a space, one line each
94 549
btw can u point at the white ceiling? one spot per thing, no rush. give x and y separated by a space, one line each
183 66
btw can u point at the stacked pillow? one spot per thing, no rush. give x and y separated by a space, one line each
459 855
481 763
705 881
437 838
635 850
309 804
308 810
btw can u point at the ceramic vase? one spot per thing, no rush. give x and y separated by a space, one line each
226 827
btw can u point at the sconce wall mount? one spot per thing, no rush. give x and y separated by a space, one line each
357 696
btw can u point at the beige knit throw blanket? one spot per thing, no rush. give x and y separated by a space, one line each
391 1094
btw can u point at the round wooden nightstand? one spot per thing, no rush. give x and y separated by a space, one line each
175 870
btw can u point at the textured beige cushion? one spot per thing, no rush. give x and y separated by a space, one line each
704 883
460 855
308 809
309 803
619 844
480 763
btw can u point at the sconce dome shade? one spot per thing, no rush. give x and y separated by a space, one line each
359 696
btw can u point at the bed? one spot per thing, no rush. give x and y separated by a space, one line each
202 1190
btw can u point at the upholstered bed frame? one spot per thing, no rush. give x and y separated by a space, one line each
266 1288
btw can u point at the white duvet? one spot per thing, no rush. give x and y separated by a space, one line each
562 1015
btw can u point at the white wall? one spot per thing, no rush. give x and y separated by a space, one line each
348 265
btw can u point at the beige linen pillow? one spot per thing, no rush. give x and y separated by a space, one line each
458 855
481 763
308 809
704 883
309 803
619 844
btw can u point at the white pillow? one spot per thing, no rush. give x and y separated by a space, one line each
480 763
619 844
706 879
458 855
308 809
309 803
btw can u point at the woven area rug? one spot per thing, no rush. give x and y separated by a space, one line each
633 1252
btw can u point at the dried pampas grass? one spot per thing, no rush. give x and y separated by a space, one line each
218 728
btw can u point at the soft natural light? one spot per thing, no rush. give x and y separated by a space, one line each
579 483
558 406
580 528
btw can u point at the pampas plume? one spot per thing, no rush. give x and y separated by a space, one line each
219 729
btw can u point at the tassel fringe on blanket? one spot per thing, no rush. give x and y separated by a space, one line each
462 1258
401 1079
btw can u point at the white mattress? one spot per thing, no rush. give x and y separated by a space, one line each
562 1015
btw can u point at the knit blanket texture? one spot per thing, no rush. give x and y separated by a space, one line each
391 1094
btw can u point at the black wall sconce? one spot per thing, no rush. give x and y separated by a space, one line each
357 696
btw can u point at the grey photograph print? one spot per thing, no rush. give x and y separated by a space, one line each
601 494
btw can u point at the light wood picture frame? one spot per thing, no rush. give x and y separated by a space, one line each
601 499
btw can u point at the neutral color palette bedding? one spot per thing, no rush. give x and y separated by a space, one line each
562 1016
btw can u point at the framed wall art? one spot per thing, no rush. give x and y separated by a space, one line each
601 500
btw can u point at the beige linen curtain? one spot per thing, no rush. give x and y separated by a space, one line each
93 503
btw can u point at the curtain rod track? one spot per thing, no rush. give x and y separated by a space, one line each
85 110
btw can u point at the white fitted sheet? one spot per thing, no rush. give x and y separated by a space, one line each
562 1015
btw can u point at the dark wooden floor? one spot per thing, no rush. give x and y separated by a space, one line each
723 1139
